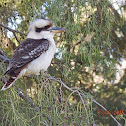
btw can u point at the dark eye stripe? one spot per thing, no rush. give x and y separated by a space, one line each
42 29
46 27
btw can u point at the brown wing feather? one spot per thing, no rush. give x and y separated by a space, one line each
26 52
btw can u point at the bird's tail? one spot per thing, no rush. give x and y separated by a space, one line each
9 83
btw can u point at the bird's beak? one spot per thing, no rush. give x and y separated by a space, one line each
57 30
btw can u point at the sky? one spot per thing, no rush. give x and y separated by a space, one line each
117 3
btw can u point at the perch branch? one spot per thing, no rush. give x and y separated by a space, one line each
59 81
70 89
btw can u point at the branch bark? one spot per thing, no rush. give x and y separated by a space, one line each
12 30
3 57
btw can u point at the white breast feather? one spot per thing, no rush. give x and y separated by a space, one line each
40 63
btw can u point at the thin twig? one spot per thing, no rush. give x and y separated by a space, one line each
11 101
16 37
4 58
29 101
70 89
84 106
12 30
82 102
1 52
26 98
106 110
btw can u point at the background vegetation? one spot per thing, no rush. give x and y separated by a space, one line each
90 60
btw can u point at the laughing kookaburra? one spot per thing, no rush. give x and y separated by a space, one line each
35 53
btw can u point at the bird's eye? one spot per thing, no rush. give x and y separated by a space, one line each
46 27
42 29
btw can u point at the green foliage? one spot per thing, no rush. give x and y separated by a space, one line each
87 58
54 106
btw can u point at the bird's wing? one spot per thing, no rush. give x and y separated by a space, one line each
26 52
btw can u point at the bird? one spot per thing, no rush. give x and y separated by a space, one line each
35 53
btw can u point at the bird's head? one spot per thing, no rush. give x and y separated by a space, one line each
42 28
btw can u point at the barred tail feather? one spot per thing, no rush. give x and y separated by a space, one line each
9 83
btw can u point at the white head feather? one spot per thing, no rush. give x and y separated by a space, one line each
40 23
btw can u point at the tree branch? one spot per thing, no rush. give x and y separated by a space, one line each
106 110
4 59
16 37
80 94
12 30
